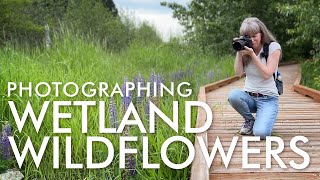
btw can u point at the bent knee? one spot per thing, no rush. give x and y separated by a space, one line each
263 133
234 96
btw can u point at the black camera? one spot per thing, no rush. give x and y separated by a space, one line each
239 44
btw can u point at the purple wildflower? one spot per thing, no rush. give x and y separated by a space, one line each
126 99
139 79
153 80
178 76
113 113
131 165
159 80
210 75
5 143
147 108
7 129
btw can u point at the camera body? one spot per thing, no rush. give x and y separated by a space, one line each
239 44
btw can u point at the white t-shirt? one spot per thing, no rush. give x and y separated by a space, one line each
254 80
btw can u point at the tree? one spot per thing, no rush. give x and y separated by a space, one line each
109 4
306 29
210 25
16 23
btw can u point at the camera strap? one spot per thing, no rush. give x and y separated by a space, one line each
265 53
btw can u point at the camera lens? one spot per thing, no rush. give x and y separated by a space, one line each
237 45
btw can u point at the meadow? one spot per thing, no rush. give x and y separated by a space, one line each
75 58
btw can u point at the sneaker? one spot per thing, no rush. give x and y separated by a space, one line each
247 127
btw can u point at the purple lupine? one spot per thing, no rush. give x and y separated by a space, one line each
131 165
153 80
126 99
159 80
190 71
5 143
188 68
7 129
177 76
113 113
139 79
210 75
173 77
181 74
147 108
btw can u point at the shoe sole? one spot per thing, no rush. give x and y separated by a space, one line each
246 133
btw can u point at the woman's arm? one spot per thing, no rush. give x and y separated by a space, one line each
238 64
272 62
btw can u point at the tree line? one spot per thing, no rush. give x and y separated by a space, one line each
211 25
24 21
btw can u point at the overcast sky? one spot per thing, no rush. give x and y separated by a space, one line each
153 12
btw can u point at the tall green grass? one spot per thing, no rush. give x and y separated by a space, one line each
73 58
310 71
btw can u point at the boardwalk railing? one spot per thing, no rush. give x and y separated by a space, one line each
200 170
305 90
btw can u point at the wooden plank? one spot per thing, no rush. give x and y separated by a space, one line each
275 168
262 161
284 138
221 83
199 169
259 176
238 154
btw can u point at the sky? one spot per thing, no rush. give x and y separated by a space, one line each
151 10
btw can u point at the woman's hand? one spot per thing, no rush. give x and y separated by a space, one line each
247 51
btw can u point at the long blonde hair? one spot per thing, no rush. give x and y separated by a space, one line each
251 26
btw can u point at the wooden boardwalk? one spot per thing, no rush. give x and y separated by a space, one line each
298 116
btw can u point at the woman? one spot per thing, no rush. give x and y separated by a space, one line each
260 94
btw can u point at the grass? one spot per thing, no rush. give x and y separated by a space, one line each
310 72
73 58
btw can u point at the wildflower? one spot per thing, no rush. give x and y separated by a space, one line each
7 129
131 165
139 79
127 98
210 75
147 108
153 80
5 143
189 70
113 113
